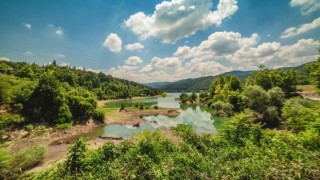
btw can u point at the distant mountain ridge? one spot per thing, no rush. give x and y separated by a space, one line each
203 83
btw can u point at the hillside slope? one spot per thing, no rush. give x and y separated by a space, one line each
203 83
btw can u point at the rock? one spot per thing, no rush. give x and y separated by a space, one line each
173 112
136 125
4 137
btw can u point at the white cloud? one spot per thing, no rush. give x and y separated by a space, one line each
180 18
306 6
221 52
27 25
64 64
28 53
59 55
5 59
294 31
134 46
169 62
113 42
59 31
133 60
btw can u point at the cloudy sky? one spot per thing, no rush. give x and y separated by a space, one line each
153 40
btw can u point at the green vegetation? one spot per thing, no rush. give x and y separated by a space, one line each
314 72
13 165
241 151
273 134
184 97
58 96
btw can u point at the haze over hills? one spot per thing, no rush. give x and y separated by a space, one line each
203 83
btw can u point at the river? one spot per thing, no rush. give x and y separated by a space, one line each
199 117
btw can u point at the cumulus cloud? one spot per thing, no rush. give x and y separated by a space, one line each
133 60
221 52
27 25
59 31
306 6
4 59
294 31
179 18
28 53
113 42
134 46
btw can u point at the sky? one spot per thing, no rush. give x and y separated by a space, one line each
153 40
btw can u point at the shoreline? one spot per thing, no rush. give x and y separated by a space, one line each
56 142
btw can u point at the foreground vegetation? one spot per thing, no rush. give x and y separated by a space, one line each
243 150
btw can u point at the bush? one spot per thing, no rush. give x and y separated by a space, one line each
4 162
156 107
98 115
256 98
25 159
29 128
298 113
63 126
7 120
223 108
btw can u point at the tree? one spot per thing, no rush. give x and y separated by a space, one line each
75 161
256 98
193 96
183 97
314 72
267 79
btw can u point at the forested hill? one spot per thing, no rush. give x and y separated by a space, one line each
197 84
203 83
102 85
57 95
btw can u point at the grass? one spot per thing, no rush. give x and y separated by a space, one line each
25 159
306 89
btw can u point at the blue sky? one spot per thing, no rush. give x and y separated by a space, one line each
148 41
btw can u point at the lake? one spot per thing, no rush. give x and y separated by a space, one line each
199 117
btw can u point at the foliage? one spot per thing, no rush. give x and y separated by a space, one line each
184 97
223 108
63 126
287 80
4 162
8 120
57 95
25 159
242 150
75 161
193 96
266 103
98 115
300 113
314 72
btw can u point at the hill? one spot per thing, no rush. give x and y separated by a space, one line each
203 83
197 84
157 84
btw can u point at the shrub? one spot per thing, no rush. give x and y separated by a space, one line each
29 128
25 159
98 115
75 161
223 108
63 126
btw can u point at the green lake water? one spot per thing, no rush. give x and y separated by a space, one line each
199 117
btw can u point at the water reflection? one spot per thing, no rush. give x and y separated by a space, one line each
199 117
